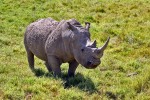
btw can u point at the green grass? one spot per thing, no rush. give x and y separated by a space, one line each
127 22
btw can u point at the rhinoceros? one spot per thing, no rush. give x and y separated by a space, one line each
59 42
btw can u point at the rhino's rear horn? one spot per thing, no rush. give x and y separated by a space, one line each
94 44
87 25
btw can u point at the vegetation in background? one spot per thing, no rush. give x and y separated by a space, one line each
125 69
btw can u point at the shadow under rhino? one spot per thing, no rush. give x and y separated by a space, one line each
79 81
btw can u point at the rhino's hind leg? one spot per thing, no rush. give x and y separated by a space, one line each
72 68
48 66
30 56
55 65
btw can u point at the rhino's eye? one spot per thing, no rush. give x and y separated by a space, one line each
82 50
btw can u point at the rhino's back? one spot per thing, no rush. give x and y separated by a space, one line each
36 35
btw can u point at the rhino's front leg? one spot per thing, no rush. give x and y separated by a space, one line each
72 68
48 66
55 65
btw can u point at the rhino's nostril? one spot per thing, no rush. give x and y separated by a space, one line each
89 63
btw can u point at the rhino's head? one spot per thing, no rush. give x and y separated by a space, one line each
85 52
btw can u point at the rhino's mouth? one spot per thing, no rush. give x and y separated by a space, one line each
91 65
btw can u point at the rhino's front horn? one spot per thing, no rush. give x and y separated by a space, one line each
101 49
87 25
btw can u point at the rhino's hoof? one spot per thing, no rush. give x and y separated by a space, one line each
70 75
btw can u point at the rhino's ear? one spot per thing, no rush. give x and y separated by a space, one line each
87 25
73 28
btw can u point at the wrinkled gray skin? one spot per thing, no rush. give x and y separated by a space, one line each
59 42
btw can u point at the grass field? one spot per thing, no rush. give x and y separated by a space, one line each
125 69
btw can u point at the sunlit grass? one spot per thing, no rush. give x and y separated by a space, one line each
124 72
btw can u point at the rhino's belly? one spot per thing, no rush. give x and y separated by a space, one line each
39 52
37 47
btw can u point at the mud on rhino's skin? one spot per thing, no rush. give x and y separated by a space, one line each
58 42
